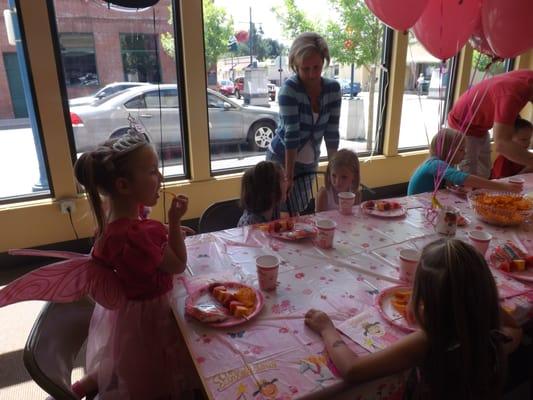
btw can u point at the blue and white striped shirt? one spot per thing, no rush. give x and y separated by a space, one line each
296 125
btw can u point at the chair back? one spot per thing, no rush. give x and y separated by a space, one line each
221 215
302 197
54 343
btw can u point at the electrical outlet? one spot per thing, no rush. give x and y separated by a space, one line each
67 205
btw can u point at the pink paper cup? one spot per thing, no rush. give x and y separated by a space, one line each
480 240
267 272
408 262
326 233
346 200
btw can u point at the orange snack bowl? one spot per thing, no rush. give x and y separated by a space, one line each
500 208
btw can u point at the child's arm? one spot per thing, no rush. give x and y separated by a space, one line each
322 199
405 353
478 182
175 255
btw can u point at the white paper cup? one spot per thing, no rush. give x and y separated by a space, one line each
480 240
408 262
326 233
346 200
267 272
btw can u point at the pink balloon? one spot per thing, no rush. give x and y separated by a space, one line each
445 25
398 14
508 25
478 40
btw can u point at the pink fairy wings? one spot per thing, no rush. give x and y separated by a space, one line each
65 281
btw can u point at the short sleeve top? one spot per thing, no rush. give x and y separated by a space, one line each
423 179
134 249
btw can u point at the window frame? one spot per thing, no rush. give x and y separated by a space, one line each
180 82
36 115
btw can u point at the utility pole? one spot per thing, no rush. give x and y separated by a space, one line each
251 38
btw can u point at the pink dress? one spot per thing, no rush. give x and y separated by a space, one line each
134 348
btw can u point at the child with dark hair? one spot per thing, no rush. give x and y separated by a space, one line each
460 352
263 189
503 167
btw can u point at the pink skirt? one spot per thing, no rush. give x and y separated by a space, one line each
137 352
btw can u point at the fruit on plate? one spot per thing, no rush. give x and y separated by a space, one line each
400 301
281 225
382 205
239 303
509 258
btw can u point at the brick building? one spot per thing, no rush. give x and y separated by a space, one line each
99 45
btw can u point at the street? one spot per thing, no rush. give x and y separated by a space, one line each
18 160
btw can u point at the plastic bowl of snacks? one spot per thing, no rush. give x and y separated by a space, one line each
500 208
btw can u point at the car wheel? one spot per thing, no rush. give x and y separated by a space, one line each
237 94
260 135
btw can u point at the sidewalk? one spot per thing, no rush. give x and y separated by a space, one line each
14 123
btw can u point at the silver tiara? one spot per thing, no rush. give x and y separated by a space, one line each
133 139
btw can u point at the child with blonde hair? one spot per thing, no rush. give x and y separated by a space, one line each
446 150
134 348
342 175
461 348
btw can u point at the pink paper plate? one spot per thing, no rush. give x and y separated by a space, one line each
396 213
388 312
300 231
202 291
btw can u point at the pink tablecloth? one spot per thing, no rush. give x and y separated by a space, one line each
274 356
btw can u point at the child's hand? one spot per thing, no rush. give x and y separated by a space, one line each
318 321
177 209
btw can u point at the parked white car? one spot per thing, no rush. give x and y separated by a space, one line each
229 122
106 91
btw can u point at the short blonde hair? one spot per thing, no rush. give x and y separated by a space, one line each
443 142
304 45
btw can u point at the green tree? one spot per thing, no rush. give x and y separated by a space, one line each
263 48
218 28
293 20
481 62
356 39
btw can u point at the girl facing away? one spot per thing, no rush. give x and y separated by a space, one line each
460 350
134 348
342 175
445 144
263 189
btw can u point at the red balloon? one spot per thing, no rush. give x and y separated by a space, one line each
508 25
478 40
445 25
241 36
398 14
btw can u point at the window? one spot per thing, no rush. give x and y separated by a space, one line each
246 52
133 52
79 59
425 96
139 57
23 172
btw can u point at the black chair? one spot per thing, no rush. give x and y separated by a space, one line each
221 215
54 342
302 197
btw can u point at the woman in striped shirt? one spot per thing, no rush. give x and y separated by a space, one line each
309 109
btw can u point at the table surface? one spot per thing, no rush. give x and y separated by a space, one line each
274 355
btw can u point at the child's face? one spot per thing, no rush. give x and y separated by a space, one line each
146 179
341 179
522 137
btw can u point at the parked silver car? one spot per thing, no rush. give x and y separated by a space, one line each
229 122
106 91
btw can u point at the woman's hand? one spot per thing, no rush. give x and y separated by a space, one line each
177 209
318 321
